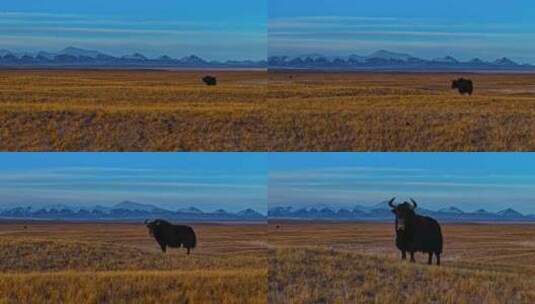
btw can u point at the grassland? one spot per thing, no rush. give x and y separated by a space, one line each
400 112
358 263
120 263
259 111
131 111
174 111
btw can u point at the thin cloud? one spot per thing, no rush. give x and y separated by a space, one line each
346 186
219 39
339 35
165 187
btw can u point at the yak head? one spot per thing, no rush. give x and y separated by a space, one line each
458 83
210 80
403 212
153 226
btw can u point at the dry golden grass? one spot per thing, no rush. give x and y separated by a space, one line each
400 112
135 287
120 263
131 111
174 111
358 263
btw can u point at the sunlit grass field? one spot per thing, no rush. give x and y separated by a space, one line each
358 263
120 263
260 111
400 112
132 111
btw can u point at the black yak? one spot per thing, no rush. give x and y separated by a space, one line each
465 86
174 236
210 80
416 233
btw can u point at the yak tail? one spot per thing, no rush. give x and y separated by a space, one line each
193 239
440 239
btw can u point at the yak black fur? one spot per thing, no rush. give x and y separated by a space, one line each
174 236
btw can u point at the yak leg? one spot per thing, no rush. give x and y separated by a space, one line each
438 258
412 257
403 255
430 259
164 247
188 250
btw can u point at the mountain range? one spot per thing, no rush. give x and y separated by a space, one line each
382 212
81 58
127 211
392 61
73 57
133 211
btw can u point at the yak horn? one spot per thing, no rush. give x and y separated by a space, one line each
414 203
390 203
146 222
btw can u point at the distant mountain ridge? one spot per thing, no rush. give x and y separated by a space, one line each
387 60
127 211
381 212
82 58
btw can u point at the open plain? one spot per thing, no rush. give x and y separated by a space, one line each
259 111
120 263
128 110
400 112
359 263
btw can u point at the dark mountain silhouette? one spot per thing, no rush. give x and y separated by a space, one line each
136 206
509 213
77 52
81 58
191 210
481 211
192 59
451 210
126 211
386 55
392 61
250 213
381 212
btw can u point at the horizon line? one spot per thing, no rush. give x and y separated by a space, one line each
35 52
347 55
74 206
376 205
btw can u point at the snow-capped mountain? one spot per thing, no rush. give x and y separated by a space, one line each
509 212
481 211
4 52
384 54
447 59
451 210
77 52
135 206
250 213
191 210
81 58
192 59
382 212
505 61
126 211
135 56
387 60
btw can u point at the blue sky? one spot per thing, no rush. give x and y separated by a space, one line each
469 181
465 29
235 181
231 29
207 181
